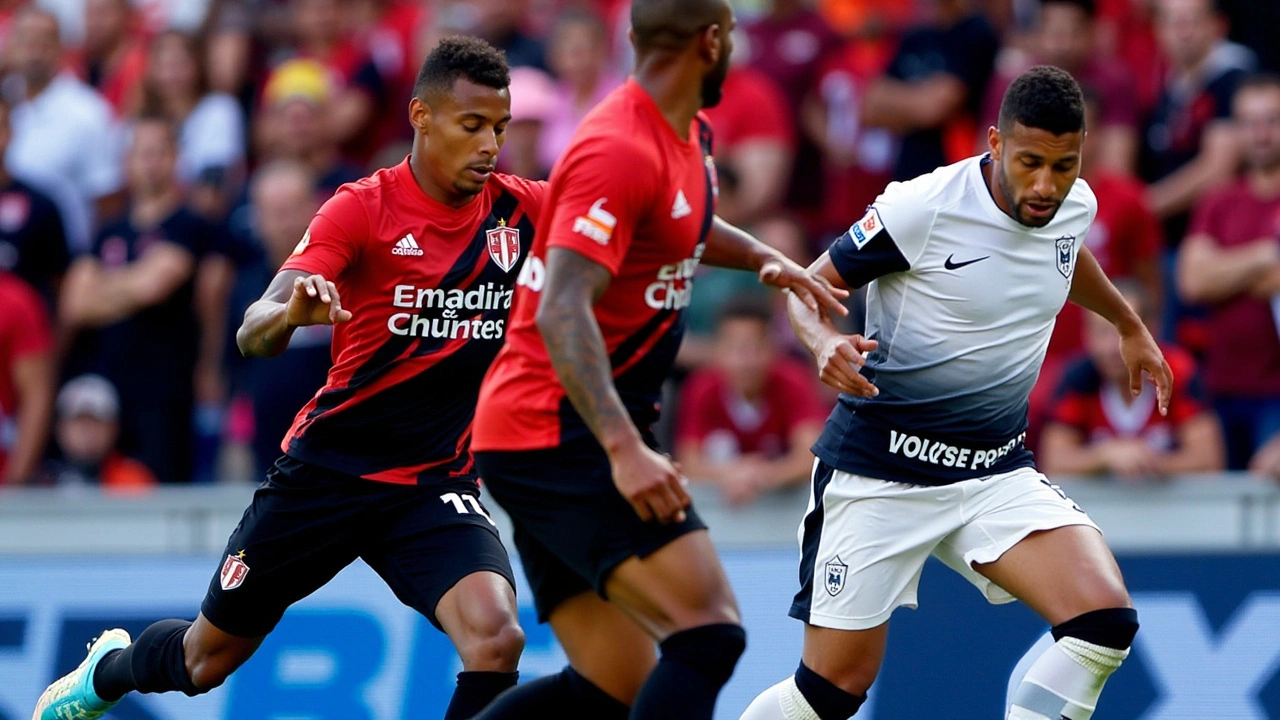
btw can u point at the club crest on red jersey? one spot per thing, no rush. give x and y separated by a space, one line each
233 572
504 245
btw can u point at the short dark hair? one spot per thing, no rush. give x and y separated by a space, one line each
461 57
1045 98
746 307
1089 7
1259 81
671 24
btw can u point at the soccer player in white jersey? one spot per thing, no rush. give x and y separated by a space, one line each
966 269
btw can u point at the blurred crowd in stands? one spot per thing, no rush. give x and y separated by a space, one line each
162 157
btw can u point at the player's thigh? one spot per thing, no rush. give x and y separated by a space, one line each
435 539
303 526
863 546
604 645
849 659
1026 540
678 586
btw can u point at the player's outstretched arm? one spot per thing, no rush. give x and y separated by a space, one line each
734 248
576 347
839 356
293 299
1091 290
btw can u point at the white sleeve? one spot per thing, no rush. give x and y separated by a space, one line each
905 213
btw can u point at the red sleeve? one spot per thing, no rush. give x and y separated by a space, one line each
604 187
333 241
693 422
25 321
1204 217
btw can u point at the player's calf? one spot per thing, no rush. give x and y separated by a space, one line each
1067 679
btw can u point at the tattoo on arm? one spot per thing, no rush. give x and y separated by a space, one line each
576 346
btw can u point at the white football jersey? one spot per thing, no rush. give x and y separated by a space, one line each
962 299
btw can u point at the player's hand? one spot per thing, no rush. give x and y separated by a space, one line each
651 482
839 360
314 301
812 289
1142 355
1130 459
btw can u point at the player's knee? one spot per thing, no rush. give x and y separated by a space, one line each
208 671
1112 628
492 642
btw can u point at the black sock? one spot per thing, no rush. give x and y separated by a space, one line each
565 696
829 701
476 690
154 663
695 664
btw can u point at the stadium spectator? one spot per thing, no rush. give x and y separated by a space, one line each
65 140
1230 262
26 379
1189 147
788 43
499 22
755 144
746 422
86 433
359 91
32 243
133 297
857 161
577 53
283 200
1098 426
933 90
211 143
112 58
298 96
1065 37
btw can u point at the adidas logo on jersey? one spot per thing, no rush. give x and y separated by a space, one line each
407 246
681 207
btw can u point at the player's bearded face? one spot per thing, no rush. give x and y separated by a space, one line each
713 81
1036 170
463 135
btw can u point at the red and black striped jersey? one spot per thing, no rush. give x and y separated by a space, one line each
630 194
429 288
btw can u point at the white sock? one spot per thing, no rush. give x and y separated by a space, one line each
780 702
1065 681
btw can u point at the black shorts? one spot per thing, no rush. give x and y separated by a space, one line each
572 526
307 523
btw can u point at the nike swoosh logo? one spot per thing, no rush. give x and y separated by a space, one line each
951 265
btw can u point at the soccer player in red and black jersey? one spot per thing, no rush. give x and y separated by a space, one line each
415 267
617 558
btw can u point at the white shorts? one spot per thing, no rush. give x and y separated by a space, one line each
864 542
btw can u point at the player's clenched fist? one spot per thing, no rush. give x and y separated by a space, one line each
839 360
651 482
315 301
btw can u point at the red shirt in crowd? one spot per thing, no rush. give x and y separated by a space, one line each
1244 358
24 332
429 288
631 195
1097 409
726 426
752 108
